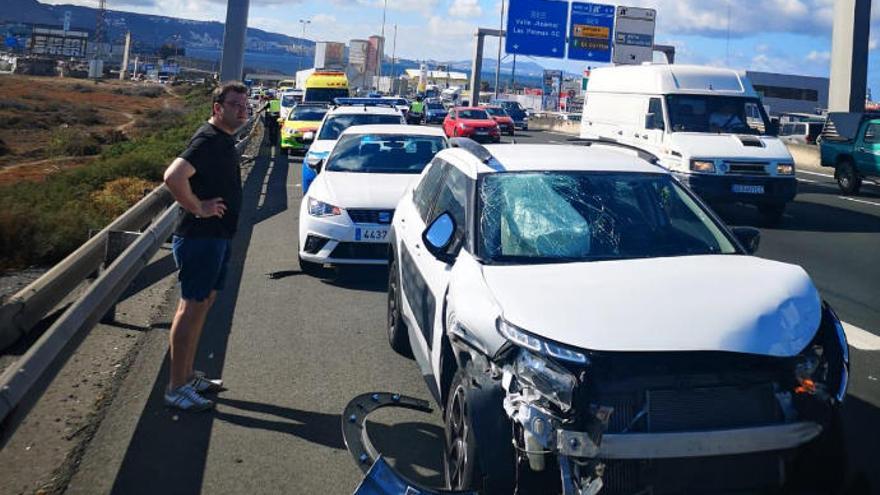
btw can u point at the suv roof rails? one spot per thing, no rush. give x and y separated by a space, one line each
644 155
472 147
478 150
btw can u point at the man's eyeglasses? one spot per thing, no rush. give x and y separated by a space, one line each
232 104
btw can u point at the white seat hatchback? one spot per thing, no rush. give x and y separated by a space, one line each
346 213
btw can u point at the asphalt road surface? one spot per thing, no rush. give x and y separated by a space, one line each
294 349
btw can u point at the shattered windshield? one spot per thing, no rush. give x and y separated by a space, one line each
384 154
533 217
716 114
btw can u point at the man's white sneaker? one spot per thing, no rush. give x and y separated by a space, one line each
204 384
186 398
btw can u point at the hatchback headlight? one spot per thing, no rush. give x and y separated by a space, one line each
322 209
704 166
785 169
525 339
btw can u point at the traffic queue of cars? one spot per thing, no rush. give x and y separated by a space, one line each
583 319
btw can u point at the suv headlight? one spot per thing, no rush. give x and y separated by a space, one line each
322 209
553 382
704 166
784 168
525 339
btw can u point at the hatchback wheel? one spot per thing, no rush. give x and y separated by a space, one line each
398 334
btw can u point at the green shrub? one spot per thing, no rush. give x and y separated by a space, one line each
41 222
67 141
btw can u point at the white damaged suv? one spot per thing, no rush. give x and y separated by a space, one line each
589 326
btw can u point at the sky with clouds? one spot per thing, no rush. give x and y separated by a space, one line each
787 36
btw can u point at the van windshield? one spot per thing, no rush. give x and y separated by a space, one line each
324 94
716 114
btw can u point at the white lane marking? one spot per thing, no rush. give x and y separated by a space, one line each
862 201
861 339
802 171
808 181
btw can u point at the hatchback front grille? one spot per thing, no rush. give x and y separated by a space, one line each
360 251
371 216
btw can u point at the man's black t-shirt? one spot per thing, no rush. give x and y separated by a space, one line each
212 153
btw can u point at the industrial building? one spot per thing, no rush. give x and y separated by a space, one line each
790 93
441 78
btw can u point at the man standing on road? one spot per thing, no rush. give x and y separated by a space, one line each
206 182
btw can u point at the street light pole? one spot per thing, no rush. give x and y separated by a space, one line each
393 61
379 55
304 23
500 42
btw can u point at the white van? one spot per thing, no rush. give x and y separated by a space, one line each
706 125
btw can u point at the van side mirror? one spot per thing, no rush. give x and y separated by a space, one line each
773 128
652 122
749 237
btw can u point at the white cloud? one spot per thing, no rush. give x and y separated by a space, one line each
819 56
465 8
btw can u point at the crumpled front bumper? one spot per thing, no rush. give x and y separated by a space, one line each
688 444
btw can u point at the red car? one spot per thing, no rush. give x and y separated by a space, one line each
472 122
505 123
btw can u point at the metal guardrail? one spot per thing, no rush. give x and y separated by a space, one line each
34 302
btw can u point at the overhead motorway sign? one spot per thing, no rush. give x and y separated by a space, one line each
634 35
590 32
537 27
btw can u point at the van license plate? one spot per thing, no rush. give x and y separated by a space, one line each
748 189
370 235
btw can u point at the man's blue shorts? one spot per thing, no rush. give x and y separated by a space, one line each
202 262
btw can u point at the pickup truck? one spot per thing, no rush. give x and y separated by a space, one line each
850 143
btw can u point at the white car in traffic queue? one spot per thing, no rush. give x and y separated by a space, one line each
345 216
352 112
585 321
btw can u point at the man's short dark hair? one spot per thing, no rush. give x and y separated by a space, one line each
221 92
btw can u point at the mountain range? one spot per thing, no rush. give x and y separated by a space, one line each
204 39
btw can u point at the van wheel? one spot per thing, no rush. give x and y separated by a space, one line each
848 178
398 333
771 213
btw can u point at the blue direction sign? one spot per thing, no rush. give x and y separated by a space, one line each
591 31
536 27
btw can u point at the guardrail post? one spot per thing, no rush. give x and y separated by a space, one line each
117 242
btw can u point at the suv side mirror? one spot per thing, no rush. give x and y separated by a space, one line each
749 237
438 237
